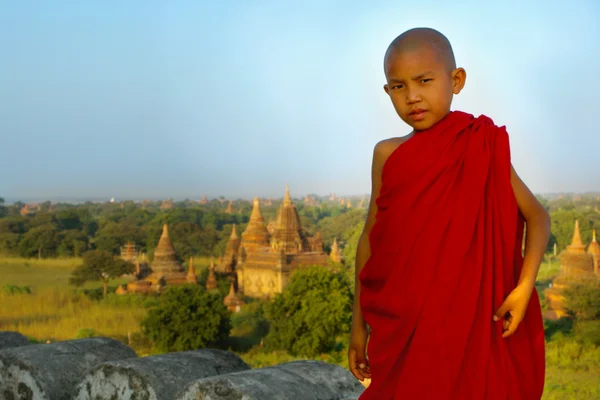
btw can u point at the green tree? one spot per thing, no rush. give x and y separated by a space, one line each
68 220
9 243
563 226
112 235
582 299
3 209
74 243
100 265
41 240
313 309
187 318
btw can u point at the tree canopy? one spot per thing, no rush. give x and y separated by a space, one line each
187 318
100 265
312 311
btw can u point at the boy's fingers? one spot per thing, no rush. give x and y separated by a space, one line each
359 368
501 312
512 327
354 365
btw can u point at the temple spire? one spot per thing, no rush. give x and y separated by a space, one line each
191 274
256 215
287 199
233 233
577 245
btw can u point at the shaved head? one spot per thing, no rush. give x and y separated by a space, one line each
420 38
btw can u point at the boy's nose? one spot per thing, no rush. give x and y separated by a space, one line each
412 97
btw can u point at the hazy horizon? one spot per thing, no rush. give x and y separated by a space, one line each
156 100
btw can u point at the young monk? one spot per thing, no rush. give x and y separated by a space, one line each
440 276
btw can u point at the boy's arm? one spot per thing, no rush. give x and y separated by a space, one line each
538 230
358 363
363 251
537 235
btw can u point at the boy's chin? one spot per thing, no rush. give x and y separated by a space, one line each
421 125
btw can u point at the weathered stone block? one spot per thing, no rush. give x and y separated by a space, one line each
157 377
51 371
298 380
12 339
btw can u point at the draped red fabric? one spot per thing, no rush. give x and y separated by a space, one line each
446 250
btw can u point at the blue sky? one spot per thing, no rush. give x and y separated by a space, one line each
155 99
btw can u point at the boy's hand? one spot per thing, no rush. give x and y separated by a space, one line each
513 309
357 360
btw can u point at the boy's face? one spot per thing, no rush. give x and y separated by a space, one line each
421 85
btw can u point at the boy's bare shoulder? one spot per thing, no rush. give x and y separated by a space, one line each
384 148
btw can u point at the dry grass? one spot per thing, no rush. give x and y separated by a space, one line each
56 315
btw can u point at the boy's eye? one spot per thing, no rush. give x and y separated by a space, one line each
397 87
425 80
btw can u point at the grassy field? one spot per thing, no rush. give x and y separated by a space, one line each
56 311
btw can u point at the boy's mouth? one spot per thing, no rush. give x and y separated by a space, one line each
417 114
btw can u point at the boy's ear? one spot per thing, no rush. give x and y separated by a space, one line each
459 77
386 88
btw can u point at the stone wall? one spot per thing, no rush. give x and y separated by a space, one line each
102 368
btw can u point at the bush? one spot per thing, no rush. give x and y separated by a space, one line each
14 289
583 299
85 333
187 318
313 309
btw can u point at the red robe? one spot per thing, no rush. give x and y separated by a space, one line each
446 250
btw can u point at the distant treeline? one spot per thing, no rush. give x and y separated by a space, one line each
68 230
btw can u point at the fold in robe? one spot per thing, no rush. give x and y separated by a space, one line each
446 250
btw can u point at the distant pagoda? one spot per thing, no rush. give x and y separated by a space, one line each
165 270
576 265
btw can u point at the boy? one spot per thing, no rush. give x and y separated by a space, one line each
440 277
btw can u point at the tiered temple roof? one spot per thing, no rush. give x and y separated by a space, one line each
165 269
203 200
228 262
232 301
129 252
256 234
211 281
229 209
191 274
288 234
165 260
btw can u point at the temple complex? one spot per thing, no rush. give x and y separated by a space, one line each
309 201
165 270
266 259
167 204
204 200
576 265
336 252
